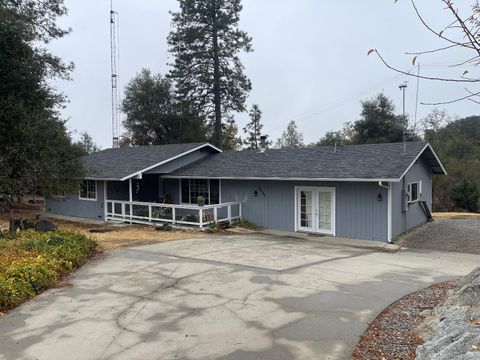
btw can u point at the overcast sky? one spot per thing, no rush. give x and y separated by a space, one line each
309 63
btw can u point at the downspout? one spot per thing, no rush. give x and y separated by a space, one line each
389 209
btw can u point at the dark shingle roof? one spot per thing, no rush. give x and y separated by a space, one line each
371 161
122 162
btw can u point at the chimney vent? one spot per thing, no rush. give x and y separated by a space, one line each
263 143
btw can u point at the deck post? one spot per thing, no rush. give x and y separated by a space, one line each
230 214
150 213
200 218
173 215
215 214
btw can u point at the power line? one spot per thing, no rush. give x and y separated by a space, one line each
337 103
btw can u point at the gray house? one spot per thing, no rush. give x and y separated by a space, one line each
373 192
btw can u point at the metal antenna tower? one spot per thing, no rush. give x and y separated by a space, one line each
114 64
403 87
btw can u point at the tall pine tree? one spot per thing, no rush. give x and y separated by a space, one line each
206 42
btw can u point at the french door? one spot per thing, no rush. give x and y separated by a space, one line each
316 209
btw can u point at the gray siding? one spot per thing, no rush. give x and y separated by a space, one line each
358 212
71 205
181 161
414 216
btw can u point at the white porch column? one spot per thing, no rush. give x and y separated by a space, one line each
130 196
105 205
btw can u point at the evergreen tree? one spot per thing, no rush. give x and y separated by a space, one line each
154 116
254 130
36 152
230 139
291 138
206 42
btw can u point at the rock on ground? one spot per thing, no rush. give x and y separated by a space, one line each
455 324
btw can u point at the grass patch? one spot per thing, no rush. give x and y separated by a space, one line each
32 262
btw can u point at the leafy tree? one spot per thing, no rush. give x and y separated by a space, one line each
466 195
432 123
36 152
254 130
155 116
291 138
86 144
206 42
330 138
379 123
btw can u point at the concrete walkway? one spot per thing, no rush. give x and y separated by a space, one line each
222 297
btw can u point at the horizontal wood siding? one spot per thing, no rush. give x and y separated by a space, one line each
358 212
71 205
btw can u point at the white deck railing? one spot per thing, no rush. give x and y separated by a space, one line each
193 215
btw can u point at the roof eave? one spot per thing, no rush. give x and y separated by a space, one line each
282 178
444 172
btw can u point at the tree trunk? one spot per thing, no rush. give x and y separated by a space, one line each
217 137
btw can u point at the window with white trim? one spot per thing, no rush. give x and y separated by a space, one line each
88 190
193 188
414 190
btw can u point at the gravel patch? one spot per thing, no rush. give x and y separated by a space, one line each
456 235
392 335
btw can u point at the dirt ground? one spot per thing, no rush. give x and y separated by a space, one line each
107 236
455 215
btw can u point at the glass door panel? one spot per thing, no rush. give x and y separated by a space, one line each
306 210
324 213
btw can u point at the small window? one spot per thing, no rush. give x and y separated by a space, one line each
88 190
414 190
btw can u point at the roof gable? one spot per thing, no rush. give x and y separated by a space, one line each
125 162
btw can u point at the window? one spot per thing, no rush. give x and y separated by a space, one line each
192 188
414 190
88 190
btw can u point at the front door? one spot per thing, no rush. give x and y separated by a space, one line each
316 209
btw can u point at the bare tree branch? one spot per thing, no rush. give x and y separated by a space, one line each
458 80
469 97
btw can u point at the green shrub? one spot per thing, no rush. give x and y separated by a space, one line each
33 261
466 195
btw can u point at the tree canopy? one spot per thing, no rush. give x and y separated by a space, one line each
86 145
291 137
378 122
206 42
155 116
36 152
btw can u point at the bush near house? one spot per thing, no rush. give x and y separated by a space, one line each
31 262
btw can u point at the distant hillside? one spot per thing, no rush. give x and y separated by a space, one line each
458 146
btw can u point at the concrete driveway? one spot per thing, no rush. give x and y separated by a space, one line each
223 297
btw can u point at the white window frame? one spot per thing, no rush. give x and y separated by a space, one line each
190 190
87 198
419 191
